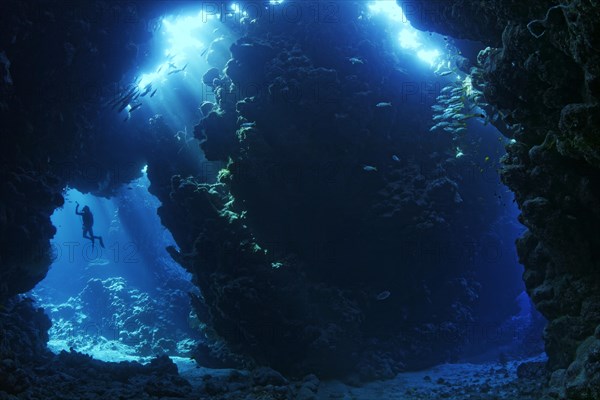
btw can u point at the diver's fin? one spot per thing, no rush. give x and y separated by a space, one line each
101 241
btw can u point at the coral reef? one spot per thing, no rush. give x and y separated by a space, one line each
323 203
281 245
110 310
543 75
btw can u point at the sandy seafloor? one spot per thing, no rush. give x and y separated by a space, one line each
486 380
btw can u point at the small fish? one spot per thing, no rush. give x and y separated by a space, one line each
123 105
383 295
159 69
248 124
355 60
369 168
147 90
154 92
439 125
177 70
446 73
396 158
172 66
486 159
204 52
383 104
133 108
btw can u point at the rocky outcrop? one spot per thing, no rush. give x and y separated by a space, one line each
321 179
327 245
60 67
543 76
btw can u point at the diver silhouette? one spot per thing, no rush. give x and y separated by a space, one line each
88 224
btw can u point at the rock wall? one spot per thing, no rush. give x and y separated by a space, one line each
543 74
328 244
60 64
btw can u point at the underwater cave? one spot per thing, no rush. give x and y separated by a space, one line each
284 199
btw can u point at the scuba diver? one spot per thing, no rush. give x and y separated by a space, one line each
88 223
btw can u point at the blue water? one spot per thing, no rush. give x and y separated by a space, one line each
112 283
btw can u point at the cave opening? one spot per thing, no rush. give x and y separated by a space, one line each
290 194
122 300
502 323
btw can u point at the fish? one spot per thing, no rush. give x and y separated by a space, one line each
383 104
369 168
154 92
133 108
172 66
147 90
439 125
383 295
248 124
99 262
445 73
177 70
123 105
126 98
355 60
204 52
486 159
396 158
469 116
159 69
